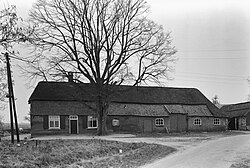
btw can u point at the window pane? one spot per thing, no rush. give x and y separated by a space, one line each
197 121
159 122
89 123
94 123
51 124
56 123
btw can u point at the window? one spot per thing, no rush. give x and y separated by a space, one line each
92 122
197 121
115 122
159 122
216 121
54 122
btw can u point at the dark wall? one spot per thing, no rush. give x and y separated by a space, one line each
136 124
248 119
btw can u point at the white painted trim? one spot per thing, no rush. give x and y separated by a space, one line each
197 118
90 117
73 117
54 118
161 125
218 120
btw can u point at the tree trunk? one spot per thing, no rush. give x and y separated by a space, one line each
102 117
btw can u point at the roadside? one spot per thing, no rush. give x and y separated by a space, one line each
222 152
180 141
183 142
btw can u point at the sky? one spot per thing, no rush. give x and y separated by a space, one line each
213 42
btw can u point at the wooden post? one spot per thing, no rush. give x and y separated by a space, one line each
9 96
11 102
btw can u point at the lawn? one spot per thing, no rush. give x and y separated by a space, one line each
80 153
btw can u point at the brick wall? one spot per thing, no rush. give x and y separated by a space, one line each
37 127
207 124
135 124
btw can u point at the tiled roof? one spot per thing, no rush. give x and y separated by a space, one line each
190 110
65 91
236 110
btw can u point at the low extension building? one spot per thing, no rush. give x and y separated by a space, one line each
238 115
65 108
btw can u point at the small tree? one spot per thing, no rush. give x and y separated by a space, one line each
107 42
27 118
215 100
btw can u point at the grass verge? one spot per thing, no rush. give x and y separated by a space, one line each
80 153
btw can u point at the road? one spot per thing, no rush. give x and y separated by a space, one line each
219 153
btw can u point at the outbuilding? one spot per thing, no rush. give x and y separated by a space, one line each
238 115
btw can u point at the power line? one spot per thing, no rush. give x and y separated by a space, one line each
216 79
216 58
213 51
210 50
222 77
209 81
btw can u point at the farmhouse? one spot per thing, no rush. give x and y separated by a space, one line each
66 108
238 114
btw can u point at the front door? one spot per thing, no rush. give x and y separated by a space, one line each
73 126
147 126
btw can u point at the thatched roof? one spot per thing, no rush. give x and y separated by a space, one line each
137 110
236 110
65 91
190 110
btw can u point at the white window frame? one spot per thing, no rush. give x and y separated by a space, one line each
197 121
91 119
54 119
216 121
159 122
115 123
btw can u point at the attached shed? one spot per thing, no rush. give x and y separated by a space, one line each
194 118
238 115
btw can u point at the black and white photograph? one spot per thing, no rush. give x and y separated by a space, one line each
125 84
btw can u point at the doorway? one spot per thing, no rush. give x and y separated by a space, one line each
147 126
73 124
233 123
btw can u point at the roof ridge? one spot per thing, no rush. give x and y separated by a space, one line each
247 102
167 87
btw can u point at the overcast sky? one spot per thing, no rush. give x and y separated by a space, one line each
212 39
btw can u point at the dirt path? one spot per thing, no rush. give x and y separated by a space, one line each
219 153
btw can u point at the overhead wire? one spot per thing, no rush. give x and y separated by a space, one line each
214 51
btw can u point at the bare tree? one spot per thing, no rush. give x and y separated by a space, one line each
107 42
8 33
3 87
12 30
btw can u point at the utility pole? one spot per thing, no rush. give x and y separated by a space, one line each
11 101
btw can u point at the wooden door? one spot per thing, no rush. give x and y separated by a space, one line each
147 126
182 123
73 126
178 123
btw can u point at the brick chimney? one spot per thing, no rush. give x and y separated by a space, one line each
70 77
